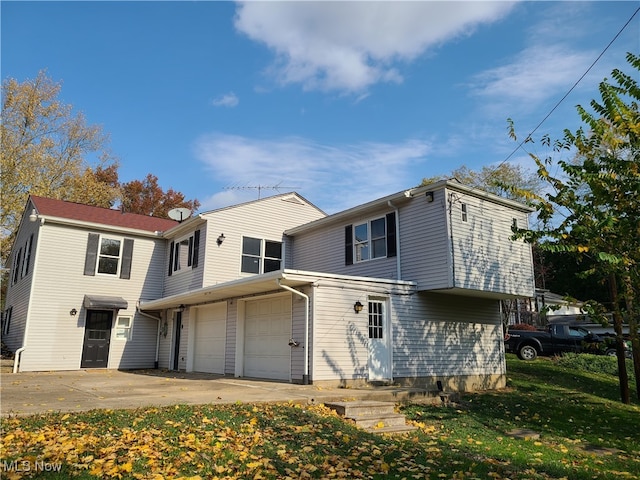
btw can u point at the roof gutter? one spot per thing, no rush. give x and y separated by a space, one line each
305 375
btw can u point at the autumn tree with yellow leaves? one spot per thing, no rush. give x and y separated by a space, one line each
592 208
49 150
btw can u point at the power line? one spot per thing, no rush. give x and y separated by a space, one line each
568 92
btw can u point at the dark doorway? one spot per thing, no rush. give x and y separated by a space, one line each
97 335
176 339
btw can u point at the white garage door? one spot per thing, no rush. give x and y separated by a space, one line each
267 353
210 335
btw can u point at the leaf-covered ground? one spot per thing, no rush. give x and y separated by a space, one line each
582 436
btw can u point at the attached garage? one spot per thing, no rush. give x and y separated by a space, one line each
210 338
267 353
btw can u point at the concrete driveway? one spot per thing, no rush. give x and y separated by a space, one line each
32 393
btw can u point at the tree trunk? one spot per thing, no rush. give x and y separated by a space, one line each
620 350
633 329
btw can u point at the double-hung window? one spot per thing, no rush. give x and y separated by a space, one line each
260 256
109 255
183 253
370 240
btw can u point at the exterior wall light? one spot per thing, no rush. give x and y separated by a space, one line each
34 216
357 307
220 239
429 196
181 308
164 329
73 312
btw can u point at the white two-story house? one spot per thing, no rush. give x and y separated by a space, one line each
402 289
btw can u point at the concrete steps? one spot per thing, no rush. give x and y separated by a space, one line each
373 416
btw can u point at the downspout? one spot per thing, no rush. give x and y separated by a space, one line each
159 319
453 258
305 375
18 353
397 226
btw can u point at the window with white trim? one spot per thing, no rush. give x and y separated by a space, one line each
124 328
109 255
183 253
27 256
260 256
370 240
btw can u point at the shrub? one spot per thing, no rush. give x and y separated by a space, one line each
601 364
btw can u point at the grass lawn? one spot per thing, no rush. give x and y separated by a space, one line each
585 433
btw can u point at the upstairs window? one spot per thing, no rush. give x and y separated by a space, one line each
183 253
108 256
465 214
372 239
16 266
260 256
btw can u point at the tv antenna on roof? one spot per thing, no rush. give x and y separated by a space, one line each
259 188
179 214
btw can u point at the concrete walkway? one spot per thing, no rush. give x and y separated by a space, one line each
41 392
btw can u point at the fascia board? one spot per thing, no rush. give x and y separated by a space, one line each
98 226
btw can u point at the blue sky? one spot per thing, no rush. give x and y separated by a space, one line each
344 102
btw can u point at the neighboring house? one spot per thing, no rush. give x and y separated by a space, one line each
403 289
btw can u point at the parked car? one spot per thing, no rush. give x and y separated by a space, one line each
609 345
553 340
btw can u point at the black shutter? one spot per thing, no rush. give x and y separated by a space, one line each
171 258
190 255
392 249
127 255
348 245
28 255
196 248
91 256
176 257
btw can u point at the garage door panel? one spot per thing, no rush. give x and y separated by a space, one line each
210 339
267 332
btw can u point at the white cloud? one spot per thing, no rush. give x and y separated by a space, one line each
227 100
349 46
538 72
332 177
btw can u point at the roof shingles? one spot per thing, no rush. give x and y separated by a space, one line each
105 216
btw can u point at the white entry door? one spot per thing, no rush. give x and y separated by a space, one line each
379 342
210 338
267 353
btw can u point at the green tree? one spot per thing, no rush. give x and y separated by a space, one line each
498 180
592 209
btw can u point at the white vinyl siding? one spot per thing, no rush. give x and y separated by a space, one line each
425 243
323 250
447 335
188 277
55 337
484 256
264 219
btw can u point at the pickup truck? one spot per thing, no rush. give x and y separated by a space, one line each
555 339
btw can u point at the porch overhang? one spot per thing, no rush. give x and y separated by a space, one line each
244 287
104 302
